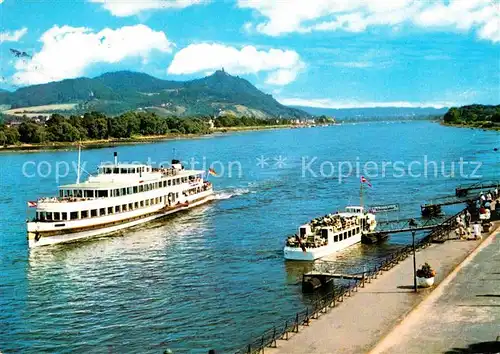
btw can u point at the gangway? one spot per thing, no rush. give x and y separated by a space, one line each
463 190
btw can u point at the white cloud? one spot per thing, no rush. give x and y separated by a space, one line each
328 103
13 36
282 65
124 8
68 51
482 16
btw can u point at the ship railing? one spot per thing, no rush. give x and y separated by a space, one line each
321 305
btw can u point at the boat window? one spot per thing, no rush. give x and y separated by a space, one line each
117 209
56 216
345 235
130 190
147 202
350 233
340 237
116 170
142 203
123 170
110 210
169 182
85 214
73 215
124 207
109 171
177 195
102 193
102 211
136 205
161 199
64 216
178 181
88 194
130 206
141 188
77 193
336 238
124 191
93 213
61 194
164 183
135 189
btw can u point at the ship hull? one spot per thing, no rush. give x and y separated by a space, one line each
71 235
297 254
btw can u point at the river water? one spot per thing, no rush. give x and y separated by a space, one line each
212 277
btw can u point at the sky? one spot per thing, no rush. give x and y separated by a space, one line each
321 53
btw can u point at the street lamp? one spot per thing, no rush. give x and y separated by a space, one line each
413 224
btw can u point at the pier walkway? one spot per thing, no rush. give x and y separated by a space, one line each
460 316
357 325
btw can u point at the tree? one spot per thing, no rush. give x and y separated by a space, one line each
96 124
3 138
63 131
32 133
452 116
11 136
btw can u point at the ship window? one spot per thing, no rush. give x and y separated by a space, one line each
124 207
147 202
61 194
117 209
73 215
116 170
85 214
178 181
102 194
142 203
124 191
64 216
161 199
340 237
169 182
102 211
177 195
157 200
357 230
135 189
141 188
136 205
130 190
336 238
152 201
88 194
107 171
93 213
123 171
110 210
164 183
57 217
349 233
131 206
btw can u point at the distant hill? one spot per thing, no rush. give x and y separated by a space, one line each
478 115
117 92
374 112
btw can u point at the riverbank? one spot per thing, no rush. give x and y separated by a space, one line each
103 143
478 125
359 324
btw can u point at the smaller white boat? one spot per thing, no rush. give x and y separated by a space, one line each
329 234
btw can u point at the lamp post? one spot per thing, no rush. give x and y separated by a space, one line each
413 224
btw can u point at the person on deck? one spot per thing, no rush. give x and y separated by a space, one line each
477 230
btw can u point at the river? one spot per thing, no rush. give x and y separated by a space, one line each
212 277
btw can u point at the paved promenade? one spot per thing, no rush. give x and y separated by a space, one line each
357 325
462 316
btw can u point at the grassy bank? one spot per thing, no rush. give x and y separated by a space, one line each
139 139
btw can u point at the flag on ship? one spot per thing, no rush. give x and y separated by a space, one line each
212 172
32 204
364 180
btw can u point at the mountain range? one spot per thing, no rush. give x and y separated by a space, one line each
117 92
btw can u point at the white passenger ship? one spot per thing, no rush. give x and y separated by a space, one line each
329 234
118 197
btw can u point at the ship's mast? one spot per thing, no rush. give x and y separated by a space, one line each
78 168
361 194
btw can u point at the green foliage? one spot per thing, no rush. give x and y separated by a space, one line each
476 114
95 125
32 133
